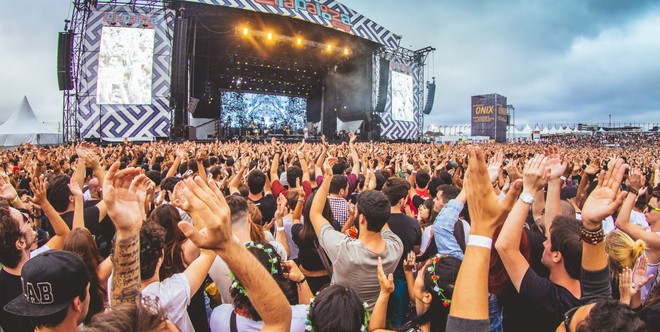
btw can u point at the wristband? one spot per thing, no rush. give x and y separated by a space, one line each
633 191
593 237
480 241
15 200
301 200
563 178
279 229
301 280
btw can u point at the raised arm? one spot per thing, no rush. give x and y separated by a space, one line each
470 300
303 161
236 180
78 205
316 211
199 159
280 234
556 170
508 243
355 157
266 297
378 317
180 153
120 196
61 229
635 182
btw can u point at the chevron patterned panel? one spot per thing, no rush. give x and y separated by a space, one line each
391 129
361 25
112 121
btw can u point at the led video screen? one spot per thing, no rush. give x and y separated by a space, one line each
263 110
402 97
125 66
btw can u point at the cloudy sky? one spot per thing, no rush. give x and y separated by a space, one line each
559 61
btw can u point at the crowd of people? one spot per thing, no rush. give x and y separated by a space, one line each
356 236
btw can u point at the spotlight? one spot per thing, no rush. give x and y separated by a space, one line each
299 41
329 47
270 36
346 51
245 31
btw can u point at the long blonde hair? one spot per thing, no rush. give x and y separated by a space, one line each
622 251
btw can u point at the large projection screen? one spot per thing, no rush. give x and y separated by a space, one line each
125 66
402 97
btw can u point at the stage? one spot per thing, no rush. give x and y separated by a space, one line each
203 69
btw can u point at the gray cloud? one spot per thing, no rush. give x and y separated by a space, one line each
557 61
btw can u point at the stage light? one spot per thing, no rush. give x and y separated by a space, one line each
346 51
245 31
270 36
299 42
329 47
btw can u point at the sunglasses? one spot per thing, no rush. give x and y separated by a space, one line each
26 222
652 208
568 316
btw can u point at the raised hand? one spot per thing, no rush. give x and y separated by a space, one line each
351 137
486 210
386 281
74 188
606 198
7 191
535 174
409 262
555 168
626 286
119 195
495 166
639 277
38 187
215 214
281 207
635 179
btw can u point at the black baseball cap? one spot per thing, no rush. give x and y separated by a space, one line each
50 282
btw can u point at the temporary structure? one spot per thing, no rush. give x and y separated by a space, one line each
24 127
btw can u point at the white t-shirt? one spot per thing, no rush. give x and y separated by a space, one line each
221 316
638 218
39 251
173 296
426 239
219 272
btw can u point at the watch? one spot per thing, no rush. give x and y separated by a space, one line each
527 198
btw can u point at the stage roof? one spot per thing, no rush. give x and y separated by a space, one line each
327 13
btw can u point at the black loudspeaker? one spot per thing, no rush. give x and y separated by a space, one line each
384 85
64 59
314 103
179 59
430 97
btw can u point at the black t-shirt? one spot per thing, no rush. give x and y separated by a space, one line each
103 231
267 204
545 303
408 230
536 248
307 254
11 288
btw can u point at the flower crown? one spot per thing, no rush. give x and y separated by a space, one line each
272 259
308 321
434 277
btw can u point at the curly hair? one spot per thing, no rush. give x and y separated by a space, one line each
152 240
9 234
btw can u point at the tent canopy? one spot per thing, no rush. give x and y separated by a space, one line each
23 121
23 126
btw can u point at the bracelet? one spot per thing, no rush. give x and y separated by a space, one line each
633 191
592 236
301 280
15 200
480 241
301 200
279 229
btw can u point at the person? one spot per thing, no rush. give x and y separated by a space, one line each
81 242
547 299
18 244
410 234
55 293
143 315
622 252
354 261
598 312
317 269
242 315
426 216
431 292
179 253
336 301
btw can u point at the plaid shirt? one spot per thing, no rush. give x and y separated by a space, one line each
339 208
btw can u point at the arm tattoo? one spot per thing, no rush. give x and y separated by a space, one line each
126 270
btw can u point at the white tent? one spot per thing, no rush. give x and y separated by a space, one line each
24 127
527 130
553 130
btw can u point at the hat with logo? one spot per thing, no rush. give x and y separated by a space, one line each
50 281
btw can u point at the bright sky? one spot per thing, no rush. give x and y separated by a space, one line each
559 61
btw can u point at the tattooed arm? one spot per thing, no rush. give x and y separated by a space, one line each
121 191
